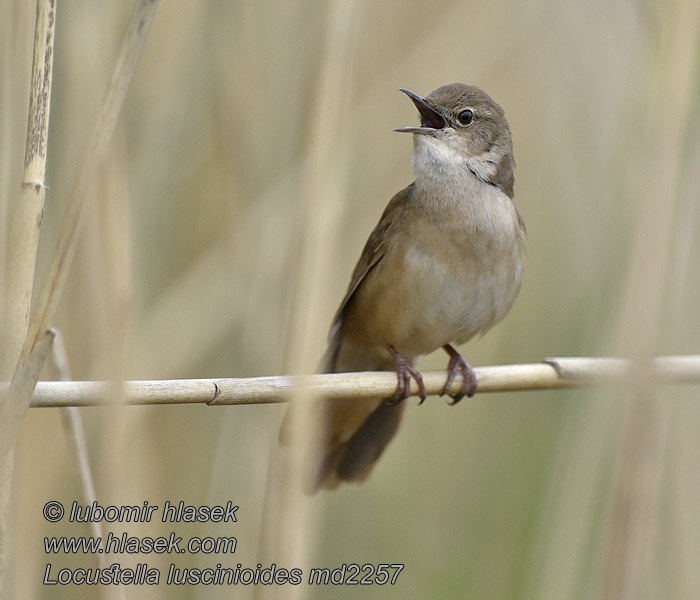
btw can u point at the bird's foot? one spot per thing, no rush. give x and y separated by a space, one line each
404 373
457 365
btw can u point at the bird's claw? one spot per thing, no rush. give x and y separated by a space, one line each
404 373
457 365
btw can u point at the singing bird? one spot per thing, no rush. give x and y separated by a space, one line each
443 264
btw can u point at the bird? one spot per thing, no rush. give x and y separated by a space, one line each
444 263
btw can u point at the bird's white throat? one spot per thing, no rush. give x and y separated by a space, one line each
438 163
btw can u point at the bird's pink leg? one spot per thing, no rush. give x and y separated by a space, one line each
457 365
404 373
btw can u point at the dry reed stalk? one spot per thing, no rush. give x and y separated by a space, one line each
322 191
76 432
76 435
555 373
43 314
134 38
11 414
24 240
38 339
24 232
634 538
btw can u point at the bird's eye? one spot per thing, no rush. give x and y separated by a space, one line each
465 117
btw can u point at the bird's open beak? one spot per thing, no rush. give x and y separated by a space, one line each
430 119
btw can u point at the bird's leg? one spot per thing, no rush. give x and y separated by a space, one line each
456 365
404 372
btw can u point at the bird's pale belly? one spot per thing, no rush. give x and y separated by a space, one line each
427 302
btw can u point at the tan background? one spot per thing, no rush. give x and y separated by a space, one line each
242 117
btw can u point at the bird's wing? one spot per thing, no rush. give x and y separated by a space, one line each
372 254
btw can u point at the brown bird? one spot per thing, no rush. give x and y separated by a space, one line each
443 264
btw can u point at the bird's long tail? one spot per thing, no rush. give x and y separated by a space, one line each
345 437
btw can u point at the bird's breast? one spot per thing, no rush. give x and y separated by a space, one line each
443 278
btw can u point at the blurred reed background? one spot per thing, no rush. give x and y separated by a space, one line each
252 159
